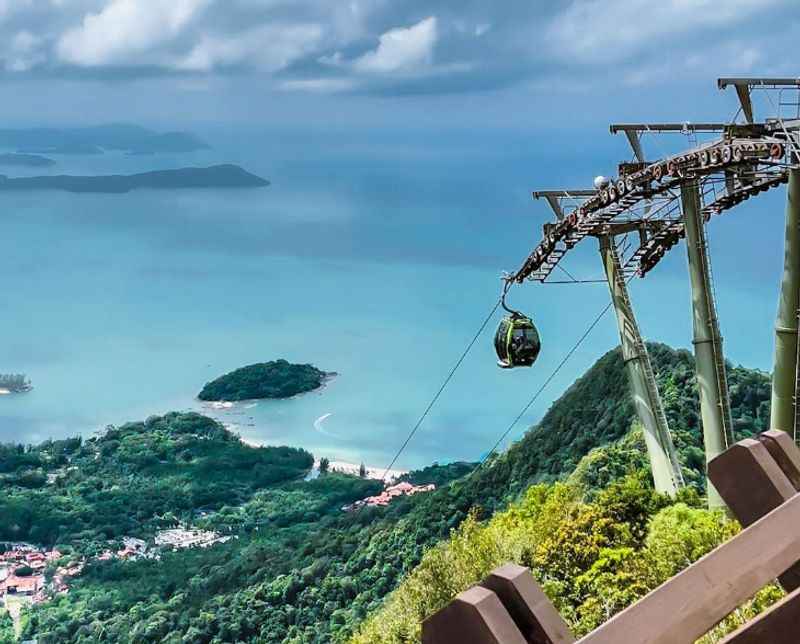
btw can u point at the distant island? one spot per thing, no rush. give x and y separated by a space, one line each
275 379
218 176
26 160
132 139
14 383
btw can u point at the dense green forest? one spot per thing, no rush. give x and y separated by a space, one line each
275 379
593 558
133 479
316 573
6 628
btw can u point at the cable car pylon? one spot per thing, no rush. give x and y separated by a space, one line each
664 465
673 198
784 378
712 380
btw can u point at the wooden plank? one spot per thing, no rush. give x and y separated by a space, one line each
476 616
778 625
749 480
784 452
752 478
537 619
687 606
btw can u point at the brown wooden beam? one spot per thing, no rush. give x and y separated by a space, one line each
475 616
753 478
749 480
537 619
784 452
778 625
687 606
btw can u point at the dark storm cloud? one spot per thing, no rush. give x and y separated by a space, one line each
405 47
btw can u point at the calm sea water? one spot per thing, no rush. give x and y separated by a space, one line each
376 257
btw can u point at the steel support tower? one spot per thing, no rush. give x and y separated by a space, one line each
712 381
784 378
667 476
655 202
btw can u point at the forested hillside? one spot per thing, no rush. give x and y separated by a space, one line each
315 576
133 479
603 539
592 557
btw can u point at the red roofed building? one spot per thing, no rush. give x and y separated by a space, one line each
22 585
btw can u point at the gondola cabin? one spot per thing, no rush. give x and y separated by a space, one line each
517 342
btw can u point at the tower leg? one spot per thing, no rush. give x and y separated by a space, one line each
664 465
784 378
712 380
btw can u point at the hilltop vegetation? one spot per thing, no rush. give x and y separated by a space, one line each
597 410
276 379
133 479
592 558
317 573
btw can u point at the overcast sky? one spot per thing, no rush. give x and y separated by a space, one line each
362 61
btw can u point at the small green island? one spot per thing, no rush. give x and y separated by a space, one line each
274 379
14 383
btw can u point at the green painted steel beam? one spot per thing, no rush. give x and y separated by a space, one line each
709 359
664 465
784 377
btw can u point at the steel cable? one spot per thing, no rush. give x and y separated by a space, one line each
442 388
544 386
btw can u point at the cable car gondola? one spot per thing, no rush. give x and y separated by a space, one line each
517 341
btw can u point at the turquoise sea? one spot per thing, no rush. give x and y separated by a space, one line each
374 256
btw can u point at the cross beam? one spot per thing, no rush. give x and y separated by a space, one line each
744 85
554 198
634 131
770 83
686 126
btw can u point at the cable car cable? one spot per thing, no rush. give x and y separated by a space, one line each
500 302
442 388
544 385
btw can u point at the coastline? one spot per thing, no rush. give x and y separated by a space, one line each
345 467
373 472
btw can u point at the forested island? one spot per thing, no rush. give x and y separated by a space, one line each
572 499
218 176
275 379
26 160
97 139
14 383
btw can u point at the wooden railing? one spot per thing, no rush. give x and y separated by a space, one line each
760 481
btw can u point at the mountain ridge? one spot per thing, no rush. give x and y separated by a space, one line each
216 176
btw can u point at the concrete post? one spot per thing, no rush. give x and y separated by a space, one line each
667 477
712 380
784 377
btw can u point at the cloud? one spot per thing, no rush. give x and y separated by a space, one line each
268 48
127 31
402 49
383 47
22 52
319 85
601 31
7 7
